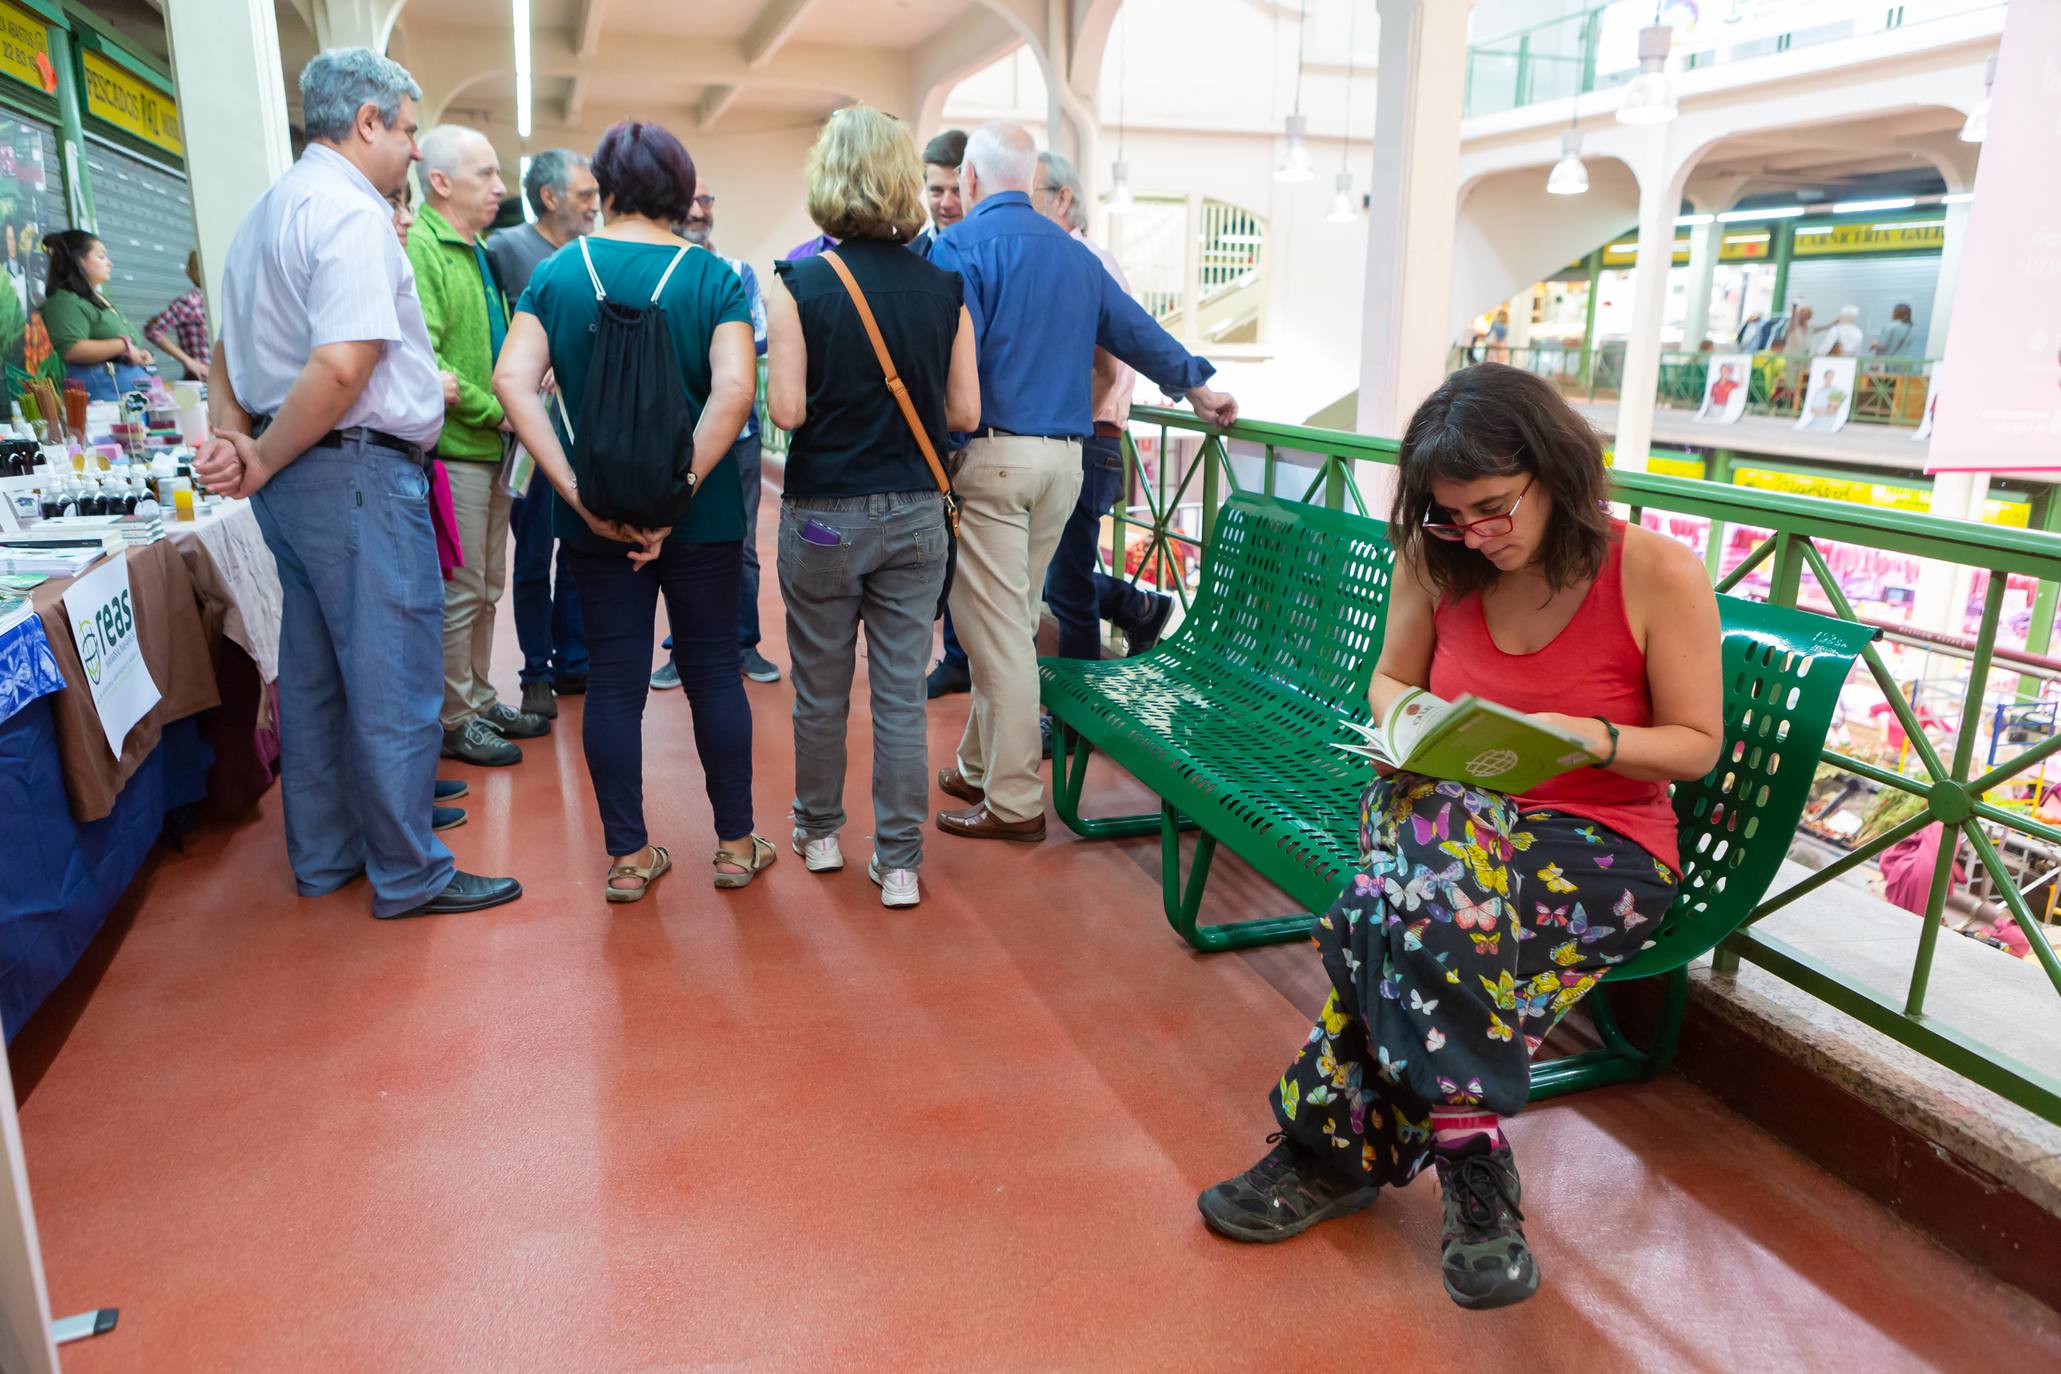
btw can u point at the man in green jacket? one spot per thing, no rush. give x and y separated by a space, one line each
467 319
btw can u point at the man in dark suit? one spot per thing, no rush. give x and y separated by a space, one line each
941 159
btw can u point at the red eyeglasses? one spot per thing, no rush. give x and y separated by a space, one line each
1488 527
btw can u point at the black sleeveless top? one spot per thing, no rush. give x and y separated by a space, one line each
855 441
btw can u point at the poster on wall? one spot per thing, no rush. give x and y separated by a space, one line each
31 205
1829 399
1724 387
2003 346
103 622
1924 429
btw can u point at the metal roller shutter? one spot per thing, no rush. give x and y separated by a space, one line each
146 220
1875 284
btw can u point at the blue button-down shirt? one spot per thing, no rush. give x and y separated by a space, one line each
758 328
1041 303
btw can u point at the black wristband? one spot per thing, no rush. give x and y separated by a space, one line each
1613 743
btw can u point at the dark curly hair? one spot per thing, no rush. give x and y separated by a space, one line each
67 250
1491 420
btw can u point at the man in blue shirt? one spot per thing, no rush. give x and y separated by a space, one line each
1041 304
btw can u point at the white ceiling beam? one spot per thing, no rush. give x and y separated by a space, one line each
575 100
714 102
586 29
776 22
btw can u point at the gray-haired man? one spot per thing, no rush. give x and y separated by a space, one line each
565 198
325 359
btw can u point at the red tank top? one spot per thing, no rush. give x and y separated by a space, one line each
1592 668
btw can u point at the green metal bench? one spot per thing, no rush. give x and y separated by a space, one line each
1231 720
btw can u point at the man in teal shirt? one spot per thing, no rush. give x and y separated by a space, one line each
467 319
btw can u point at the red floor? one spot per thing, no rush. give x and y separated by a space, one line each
786 1129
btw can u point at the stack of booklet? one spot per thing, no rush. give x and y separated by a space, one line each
135 530
56 552
1468 740
13 610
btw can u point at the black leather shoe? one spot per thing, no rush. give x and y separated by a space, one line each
948 677
465 892
571 686
1147 634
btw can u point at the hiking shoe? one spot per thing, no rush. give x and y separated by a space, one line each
1045 736
818 856
480 743
666 678
539 700
759 668
897 885
945 679
510 723
1283 1195
1486 1260
446 817
1142 639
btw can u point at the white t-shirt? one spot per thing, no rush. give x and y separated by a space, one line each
1847 336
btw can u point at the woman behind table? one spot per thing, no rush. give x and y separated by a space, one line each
862 524
1478 919
647 182
101 350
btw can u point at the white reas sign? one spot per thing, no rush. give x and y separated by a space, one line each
103 623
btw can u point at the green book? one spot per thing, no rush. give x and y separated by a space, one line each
1469 740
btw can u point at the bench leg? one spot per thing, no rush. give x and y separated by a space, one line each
1182 902
1070 754
1619 1061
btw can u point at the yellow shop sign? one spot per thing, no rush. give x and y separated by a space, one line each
119 97
1916 236
24 47
1883 495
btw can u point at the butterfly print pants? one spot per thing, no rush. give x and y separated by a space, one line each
1468 932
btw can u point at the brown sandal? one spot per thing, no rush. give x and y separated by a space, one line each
762 856
646 875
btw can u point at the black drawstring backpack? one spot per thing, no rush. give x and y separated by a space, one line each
633 456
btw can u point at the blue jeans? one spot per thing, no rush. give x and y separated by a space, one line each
547 618
620 603
361 676
1081 597
101 386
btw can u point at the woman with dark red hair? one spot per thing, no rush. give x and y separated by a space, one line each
647 183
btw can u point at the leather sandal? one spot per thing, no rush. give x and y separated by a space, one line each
762 856
646 875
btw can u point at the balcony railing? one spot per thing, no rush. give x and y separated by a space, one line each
1179 471
1887 391
1595 49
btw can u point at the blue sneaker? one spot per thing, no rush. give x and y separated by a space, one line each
666 678
446 817
451 789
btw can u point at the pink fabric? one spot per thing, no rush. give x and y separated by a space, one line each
1907 869
444 517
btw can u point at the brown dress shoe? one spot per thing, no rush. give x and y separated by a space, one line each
952 783
978 823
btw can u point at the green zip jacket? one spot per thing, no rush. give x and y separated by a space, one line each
454 306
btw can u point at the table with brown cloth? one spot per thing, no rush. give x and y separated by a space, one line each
172 634
240 600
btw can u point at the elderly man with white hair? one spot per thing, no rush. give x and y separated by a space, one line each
468 319
1843 338
323 396
1081 595
1041 305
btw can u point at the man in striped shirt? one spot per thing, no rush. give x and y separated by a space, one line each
324 399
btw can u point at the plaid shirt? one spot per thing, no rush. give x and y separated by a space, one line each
186 320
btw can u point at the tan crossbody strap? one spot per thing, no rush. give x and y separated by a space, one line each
896 388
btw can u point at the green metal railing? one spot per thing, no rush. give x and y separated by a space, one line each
1175 489
1887 391
1566 56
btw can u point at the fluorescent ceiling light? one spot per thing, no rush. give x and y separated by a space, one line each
1857 207
1957 198
1239 238
522 68
1778 212
1683 221
1803 229
1911 224
1750 238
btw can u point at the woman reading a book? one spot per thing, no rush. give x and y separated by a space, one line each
1477 917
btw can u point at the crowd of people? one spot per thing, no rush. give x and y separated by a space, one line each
353 367
955 414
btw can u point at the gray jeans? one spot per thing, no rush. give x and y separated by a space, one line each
885 571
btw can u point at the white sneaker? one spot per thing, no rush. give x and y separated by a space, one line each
897 885
819 856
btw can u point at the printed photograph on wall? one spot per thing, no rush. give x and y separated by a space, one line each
31 204
1725 387
1830 398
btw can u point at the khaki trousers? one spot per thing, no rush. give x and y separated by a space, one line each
474 589
1015 494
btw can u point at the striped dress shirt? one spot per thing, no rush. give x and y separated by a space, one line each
316 262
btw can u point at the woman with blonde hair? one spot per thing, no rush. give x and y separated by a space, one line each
863 526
